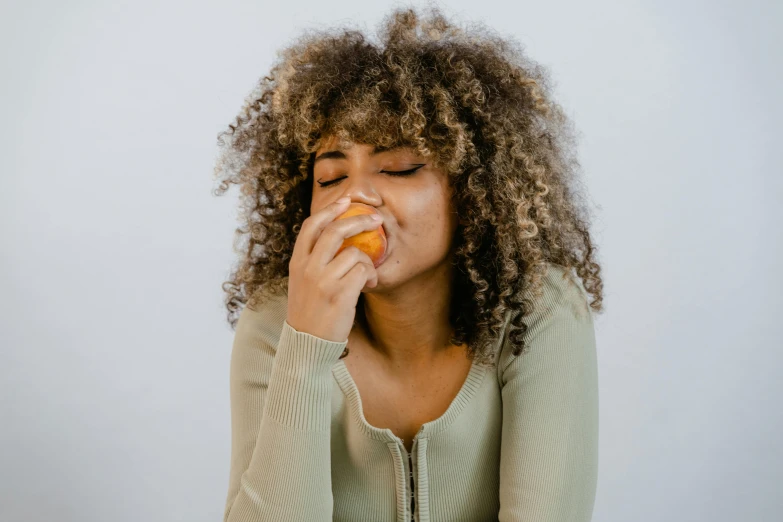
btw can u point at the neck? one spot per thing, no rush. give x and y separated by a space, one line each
408 327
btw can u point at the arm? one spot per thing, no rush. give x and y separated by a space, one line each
549 447
280 420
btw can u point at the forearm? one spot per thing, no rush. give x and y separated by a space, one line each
289 475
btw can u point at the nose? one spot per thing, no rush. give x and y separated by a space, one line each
361 189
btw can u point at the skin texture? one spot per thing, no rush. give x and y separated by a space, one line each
407 313
465 100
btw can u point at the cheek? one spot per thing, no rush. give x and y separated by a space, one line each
317 202
428 218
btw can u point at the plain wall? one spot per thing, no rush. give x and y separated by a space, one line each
115 353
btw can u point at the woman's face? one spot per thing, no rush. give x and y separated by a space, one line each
417 215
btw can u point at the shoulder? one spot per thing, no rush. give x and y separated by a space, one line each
562 308
561 288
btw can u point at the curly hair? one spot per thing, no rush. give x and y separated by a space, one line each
471 101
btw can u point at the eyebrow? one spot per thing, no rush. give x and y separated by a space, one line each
338 154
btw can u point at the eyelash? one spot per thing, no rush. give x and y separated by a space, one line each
389 172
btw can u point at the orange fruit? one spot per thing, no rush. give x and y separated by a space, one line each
371 242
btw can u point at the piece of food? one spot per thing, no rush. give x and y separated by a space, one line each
371 242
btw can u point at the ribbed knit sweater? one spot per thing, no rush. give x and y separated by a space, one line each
518 443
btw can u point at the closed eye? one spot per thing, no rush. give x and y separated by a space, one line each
389 172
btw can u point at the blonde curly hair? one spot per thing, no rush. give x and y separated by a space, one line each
469 99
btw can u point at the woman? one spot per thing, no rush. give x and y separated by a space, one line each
456 379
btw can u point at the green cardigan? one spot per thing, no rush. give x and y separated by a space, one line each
518 443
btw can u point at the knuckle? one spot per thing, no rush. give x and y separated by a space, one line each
330 229
323 288
363 257
348 253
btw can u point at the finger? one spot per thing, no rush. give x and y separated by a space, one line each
335 234
345 261
354 281
314 225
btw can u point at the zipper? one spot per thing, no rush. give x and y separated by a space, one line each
410 473
413 489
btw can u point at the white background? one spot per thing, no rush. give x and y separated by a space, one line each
115 345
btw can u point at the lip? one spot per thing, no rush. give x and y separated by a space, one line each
385 254
384 258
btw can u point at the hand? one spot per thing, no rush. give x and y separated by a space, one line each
323 290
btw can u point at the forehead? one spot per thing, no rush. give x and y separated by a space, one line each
332 142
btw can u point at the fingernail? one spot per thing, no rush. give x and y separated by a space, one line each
376 217
344 200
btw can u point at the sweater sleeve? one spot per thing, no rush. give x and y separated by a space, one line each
549 446
280 389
